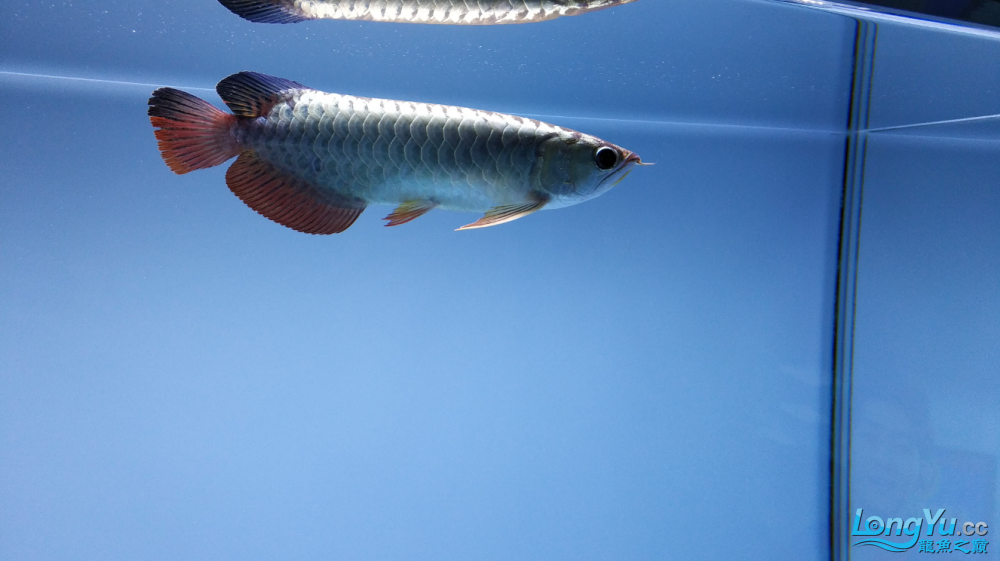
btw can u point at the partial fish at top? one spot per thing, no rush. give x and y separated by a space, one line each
446 12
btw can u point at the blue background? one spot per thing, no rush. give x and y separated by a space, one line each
643 376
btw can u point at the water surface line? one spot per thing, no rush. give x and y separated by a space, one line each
541 116
935 123
94 80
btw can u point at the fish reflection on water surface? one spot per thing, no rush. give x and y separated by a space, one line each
447 12
312 161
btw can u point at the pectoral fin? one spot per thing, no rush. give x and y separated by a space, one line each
409 211
505 213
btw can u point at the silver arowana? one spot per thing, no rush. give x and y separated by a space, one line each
313 161
447 12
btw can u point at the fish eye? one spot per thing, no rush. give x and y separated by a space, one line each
606 158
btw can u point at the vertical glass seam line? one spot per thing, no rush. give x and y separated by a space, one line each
855 149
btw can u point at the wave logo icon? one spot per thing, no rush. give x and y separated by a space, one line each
875 526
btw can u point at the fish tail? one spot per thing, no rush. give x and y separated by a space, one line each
265 11
191 132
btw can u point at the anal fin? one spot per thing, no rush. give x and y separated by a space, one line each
505 213
408 211
289 200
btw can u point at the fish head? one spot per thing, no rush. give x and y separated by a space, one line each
577 167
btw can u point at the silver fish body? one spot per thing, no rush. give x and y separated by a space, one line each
445 12
387 152
300 147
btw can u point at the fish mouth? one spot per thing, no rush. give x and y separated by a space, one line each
605 4
635 159
632 159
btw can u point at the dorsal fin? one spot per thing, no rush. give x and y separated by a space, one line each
265 11
252 94
289 200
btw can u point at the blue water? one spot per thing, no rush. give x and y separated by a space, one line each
648 375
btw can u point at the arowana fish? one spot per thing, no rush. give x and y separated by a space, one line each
448 12
313 161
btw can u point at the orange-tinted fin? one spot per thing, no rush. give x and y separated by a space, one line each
507 213
408 211
252 94
265 11
288 200
192 133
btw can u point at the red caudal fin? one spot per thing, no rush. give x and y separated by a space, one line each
192 133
